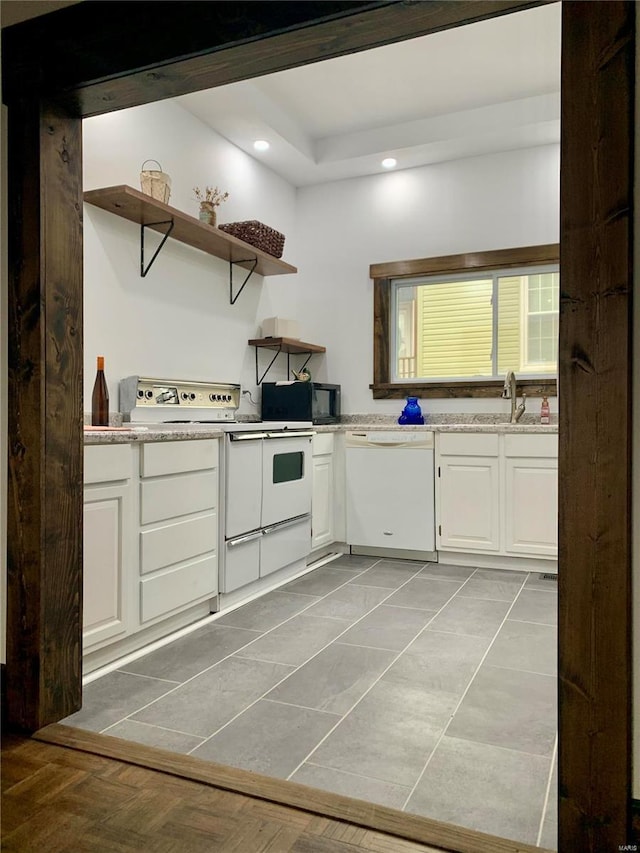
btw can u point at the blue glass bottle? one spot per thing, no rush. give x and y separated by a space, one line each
412 413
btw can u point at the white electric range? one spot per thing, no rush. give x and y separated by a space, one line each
265 471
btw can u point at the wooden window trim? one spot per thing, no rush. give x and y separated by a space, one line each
382 274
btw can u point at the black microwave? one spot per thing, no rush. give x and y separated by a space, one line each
317 402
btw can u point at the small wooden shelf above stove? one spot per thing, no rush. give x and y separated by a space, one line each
290 345
148 212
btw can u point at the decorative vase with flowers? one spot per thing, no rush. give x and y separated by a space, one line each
209 199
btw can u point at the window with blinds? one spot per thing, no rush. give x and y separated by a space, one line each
477 326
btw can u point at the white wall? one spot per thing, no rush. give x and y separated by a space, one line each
177 321
495 201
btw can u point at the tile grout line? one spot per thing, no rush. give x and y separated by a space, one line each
545 804
212 619
151 726
356 775
150 677
317 599
326 646
371 686
466 690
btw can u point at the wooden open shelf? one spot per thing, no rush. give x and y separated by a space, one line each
143 210
290 345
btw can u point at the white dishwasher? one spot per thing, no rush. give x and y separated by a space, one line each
390 489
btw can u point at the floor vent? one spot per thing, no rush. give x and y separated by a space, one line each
548 577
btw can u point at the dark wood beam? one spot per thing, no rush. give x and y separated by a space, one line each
596 210
44 606
184 47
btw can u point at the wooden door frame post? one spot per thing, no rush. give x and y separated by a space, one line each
44 523
594 571
79 57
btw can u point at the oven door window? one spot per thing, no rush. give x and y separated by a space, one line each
288 466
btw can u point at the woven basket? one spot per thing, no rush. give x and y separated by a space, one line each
257 234
155 183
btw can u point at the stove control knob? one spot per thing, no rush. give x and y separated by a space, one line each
140 394
212 397
184 395
192 396
148 394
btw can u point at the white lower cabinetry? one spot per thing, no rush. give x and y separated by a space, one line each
531 495
469 507
150 536
497 493
107 543
322 505
179 525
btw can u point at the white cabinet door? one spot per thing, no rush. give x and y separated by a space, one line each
107 533
531 506
468 503
322 501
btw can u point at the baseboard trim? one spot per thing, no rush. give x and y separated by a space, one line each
409 827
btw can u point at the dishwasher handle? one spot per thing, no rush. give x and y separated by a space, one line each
390 440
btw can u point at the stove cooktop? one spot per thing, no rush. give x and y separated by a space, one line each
231 426
249 426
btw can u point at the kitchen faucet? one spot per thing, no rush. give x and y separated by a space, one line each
509 392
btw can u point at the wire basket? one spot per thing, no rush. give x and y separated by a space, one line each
257 234
155 182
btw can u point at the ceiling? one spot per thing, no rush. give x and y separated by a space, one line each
485 87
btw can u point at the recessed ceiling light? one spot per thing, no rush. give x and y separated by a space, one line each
389 162
261 144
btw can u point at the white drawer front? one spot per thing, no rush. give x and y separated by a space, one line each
175 457
532 445
284 545
322 443
241 564
180 495
176 588
105 463
468 444
172 543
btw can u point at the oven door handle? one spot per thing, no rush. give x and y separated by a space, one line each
282 525
289 434
248 537
247 436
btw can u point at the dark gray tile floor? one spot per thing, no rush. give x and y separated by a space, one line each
424 687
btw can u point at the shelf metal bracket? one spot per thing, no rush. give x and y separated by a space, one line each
259 378
306 362
277 353
232 298
169 222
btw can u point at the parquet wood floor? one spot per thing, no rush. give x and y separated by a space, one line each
59 800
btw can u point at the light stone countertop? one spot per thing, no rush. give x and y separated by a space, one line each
184 432
376 426
155 432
